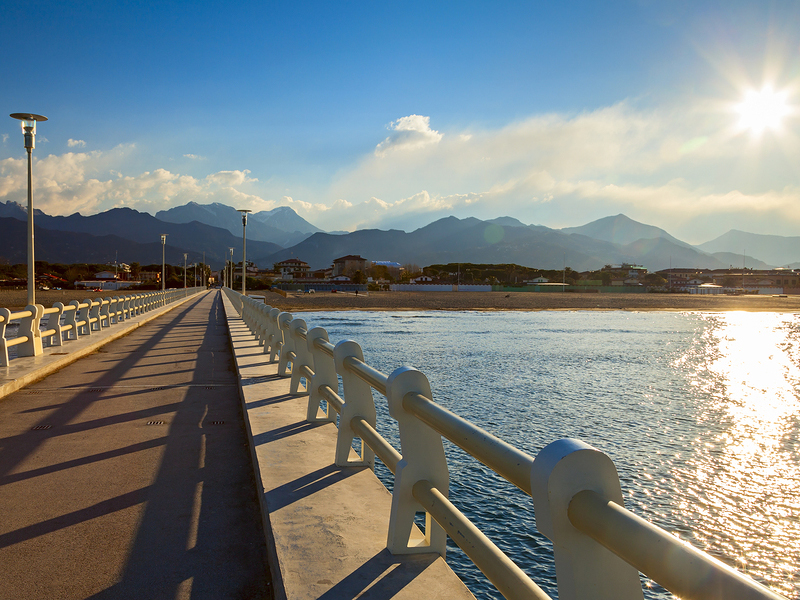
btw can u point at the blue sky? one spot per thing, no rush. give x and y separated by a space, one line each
367 114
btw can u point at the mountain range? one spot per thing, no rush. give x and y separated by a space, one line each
128 235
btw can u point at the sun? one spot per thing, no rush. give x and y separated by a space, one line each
763 109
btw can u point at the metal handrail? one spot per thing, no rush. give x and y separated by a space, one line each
325 346
377 443
510 580
368 374
682 569
507 461
331 398
94 305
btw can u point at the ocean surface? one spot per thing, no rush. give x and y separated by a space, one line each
700 413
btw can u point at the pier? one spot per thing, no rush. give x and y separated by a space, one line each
209 453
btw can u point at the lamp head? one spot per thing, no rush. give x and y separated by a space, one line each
28 121
244 212
164 238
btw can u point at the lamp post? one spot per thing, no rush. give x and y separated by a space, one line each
184 270
29 134
163 264
203 272
230 268
244 212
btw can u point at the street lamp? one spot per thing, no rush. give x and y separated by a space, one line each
163 270
230 268
184 270
29 134
244 212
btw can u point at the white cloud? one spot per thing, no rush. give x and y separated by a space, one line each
666 167
194 157
5 138
682 170
76 143
409 133
230 178
85 182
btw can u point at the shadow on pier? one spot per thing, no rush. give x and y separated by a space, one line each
128 475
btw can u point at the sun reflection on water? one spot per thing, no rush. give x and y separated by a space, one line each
743 496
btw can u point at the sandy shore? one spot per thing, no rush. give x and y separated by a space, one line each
17 299
526 301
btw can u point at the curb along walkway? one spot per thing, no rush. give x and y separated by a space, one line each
127 474
327 526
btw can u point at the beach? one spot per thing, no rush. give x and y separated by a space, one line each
525 301
486 301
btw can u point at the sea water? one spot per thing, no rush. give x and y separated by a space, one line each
700 413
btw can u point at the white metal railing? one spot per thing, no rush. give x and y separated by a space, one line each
77 319
599 546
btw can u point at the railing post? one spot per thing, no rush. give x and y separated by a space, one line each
84 316
29 326
423 459
287 343
94 314
324 374
104 313
301 357
262 327
71 319
584 568
54 322
274 336
5 317
358 402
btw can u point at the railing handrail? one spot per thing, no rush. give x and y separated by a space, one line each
684 570
83 318
596 515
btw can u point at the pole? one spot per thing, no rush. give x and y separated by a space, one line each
244 251
184 271
31 275
203 274
163 269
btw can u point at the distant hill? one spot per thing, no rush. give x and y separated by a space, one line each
612 240
735 261
281 226
69 247
622 230
472 240
775 250
125 223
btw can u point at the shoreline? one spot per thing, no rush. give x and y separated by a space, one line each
467 301
525 301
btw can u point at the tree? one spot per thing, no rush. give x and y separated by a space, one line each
358 277
654 279
136 268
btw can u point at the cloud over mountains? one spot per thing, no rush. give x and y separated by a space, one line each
688 169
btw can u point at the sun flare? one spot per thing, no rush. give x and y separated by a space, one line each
763 109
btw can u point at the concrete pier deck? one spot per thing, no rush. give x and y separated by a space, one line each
326 526
127 474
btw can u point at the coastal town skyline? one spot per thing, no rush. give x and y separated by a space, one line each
682 115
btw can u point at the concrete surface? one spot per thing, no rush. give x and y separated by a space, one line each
326 526
142 487
25 370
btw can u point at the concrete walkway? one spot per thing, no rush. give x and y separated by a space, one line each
326 525
127 474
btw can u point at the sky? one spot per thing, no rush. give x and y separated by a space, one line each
394 114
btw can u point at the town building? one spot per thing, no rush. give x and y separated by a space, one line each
292 268
347 265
